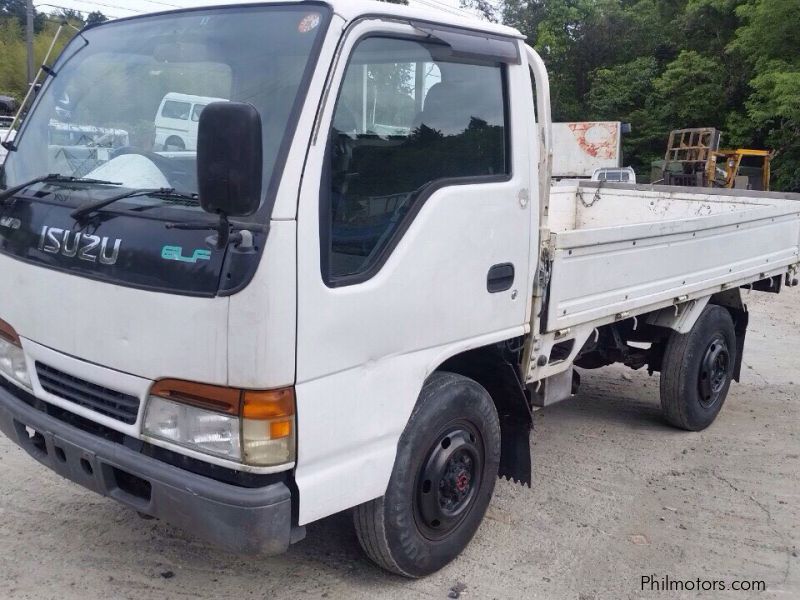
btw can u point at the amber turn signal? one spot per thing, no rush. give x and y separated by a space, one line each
272 404
250 404
280 429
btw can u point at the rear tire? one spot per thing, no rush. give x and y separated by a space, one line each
443 479
174 144
697 370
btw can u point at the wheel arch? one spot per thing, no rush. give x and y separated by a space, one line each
174 137
682 321
491 367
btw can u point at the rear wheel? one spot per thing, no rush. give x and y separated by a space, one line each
174 144
442 482
697 370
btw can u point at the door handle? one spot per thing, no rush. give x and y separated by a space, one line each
500 278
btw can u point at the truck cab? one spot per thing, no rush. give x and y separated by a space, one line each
349 295
148 357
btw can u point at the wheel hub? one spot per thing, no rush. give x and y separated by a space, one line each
454 487
448 481
714 371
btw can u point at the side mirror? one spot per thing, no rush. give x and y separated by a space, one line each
229 159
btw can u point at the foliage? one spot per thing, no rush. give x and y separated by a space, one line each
13 52
95 18
768 45
16 9
657 64
668 64
486 8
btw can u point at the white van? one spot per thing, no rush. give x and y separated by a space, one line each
177 119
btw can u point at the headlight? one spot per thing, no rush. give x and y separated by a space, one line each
252 427
12 358
193 427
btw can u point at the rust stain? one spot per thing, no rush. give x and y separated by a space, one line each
598 140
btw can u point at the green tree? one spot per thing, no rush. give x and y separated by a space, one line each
95 18
486 8
13 53
525 15
17 9
622 89
691 91
578 37
768 43
624 93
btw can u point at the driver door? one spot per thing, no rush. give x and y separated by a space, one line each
413 244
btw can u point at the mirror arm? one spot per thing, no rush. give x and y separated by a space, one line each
223 232
223 229
227 232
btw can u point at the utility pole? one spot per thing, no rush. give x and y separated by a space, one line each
29 39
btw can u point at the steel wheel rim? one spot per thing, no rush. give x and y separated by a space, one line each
449 480
714 371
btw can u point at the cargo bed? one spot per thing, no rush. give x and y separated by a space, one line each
619 249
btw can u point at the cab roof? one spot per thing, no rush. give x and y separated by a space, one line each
351 10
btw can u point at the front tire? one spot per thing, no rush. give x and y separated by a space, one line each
697 370
443 479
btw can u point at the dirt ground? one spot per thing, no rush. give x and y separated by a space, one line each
617 495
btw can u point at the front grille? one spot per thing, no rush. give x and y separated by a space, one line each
110 403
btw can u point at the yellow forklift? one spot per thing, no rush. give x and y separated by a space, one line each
694 159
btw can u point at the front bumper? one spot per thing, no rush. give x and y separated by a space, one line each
241 520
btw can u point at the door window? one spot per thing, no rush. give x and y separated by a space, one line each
408 119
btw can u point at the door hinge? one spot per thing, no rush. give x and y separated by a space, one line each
545 269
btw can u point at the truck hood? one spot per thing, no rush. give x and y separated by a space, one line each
144 333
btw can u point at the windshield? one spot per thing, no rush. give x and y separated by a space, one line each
126 102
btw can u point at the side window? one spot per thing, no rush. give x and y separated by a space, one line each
407 117
176 110
198 108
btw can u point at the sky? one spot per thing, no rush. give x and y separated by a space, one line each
127 8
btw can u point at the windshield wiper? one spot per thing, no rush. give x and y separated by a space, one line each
5 195
96 205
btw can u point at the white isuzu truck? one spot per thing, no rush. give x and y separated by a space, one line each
354 292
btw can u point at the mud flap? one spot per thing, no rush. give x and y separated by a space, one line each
732 300
516 425
741 320
515 450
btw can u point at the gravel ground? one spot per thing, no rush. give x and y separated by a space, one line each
617 495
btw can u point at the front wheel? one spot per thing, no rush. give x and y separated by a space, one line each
697 370
442 482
